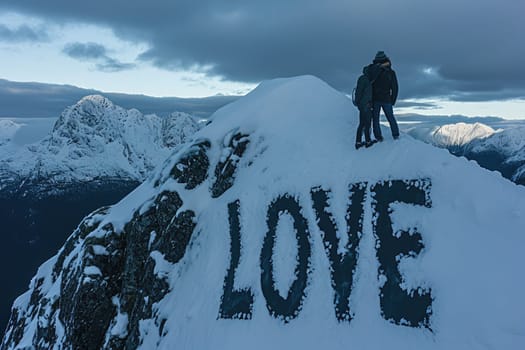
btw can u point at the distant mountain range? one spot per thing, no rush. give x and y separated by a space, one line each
95 139
501 149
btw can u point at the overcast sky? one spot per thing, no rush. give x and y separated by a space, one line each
451 56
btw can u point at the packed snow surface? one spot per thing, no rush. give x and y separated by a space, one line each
301 135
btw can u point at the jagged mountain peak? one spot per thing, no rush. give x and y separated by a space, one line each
92 113
93 104
95 139
268 230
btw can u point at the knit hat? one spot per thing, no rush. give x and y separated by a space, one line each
381 57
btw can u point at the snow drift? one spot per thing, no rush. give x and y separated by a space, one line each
268 230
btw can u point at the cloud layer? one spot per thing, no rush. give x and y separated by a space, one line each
23 33
464 50
96 53
49 100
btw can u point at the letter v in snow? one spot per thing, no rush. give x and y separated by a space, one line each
342 266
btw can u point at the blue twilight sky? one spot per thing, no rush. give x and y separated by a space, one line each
451 56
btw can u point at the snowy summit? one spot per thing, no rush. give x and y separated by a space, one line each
269 230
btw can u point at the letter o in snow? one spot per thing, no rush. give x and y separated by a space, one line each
279 307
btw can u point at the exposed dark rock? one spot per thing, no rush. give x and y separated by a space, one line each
225 170
192 168
158 229
87 290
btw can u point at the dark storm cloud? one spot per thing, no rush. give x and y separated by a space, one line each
97 53
88 51
112 65
464 50
22 33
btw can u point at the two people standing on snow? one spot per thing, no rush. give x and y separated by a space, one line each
376 89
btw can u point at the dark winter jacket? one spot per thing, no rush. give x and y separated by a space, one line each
385 87
363 91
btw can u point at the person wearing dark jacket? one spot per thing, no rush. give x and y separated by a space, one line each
384 95
363 101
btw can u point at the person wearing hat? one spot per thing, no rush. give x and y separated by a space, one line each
384 95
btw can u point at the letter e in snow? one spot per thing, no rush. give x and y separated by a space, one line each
410 308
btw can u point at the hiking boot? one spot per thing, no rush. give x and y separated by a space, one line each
380 139
358 145
396 137
369 144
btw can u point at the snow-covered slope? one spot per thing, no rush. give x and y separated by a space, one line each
95 139
509 145
509 142
269 231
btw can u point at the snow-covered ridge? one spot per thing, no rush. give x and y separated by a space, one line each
95 139
501 149
509 142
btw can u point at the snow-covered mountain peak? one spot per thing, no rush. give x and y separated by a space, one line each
460 134
92 103
95 138
298 116
269 230
92 115
298 102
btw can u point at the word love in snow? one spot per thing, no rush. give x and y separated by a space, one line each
410 308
